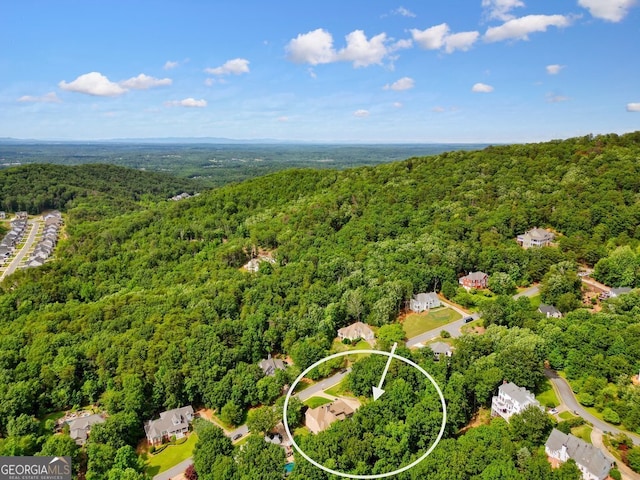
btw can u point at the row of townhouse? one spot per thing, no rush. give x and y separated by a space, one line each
44 248
12 238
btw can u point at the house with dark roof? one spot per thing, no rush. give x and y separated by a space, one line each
512 399
549 311
475 280
355 331
424 301
536 237
560 447
172 422
80 428
269 365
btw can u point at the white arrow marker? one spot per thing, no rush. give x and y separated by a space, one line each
377 391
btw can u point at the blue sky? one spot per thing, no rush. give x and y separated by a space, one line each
330 71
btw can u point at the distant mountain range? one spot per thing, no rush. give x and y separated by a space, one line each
210 140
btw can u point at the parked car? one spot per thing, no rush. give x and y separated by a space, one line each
467 319
236 436
553 411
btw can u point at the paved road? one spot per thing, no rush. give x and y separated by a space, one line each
174 471
569 399
529 292
323 385
242 430
35 224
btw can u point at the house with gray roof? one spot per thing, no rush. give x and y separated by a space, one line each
512 399
172 422
80 428
549 311
590 460
616 292
536 237
440 350
269 365
424 301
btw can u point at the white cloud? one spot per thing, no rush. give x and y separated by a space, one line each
438 109
312 73
404 12
438 36
555 98
401 45
50 97
361 113
611 10
169 65
398 104
482 88
283 119
315 47
554 69
432 38
501 9
187 102
520 28
460 41
633 107
144 82
405 83
363 52
237 66
93 83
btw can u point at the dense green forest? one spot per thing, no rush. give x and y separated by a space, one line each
36 188
215 164
148 308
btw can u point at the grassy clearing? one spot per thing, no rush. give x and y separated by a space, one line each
583 432
50 416
547 396
170 456
338 346
535 301
566 415
418 323
315 402
339 389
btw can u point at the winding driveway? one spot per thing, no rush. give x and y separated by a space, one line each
563 389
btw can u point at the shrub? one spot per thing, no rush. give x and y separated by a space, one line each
445 334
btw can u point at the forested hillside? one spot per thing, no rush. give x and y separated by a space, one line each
150 309
35 188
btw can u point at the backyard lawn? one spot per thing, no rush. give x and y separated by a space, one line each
417 323
170 456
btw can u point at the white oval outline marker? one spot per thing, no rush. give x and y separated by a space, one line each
377 475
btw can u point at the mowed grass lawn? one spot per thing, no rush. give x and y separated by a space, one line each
315 402
547 396
418 323
170 456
